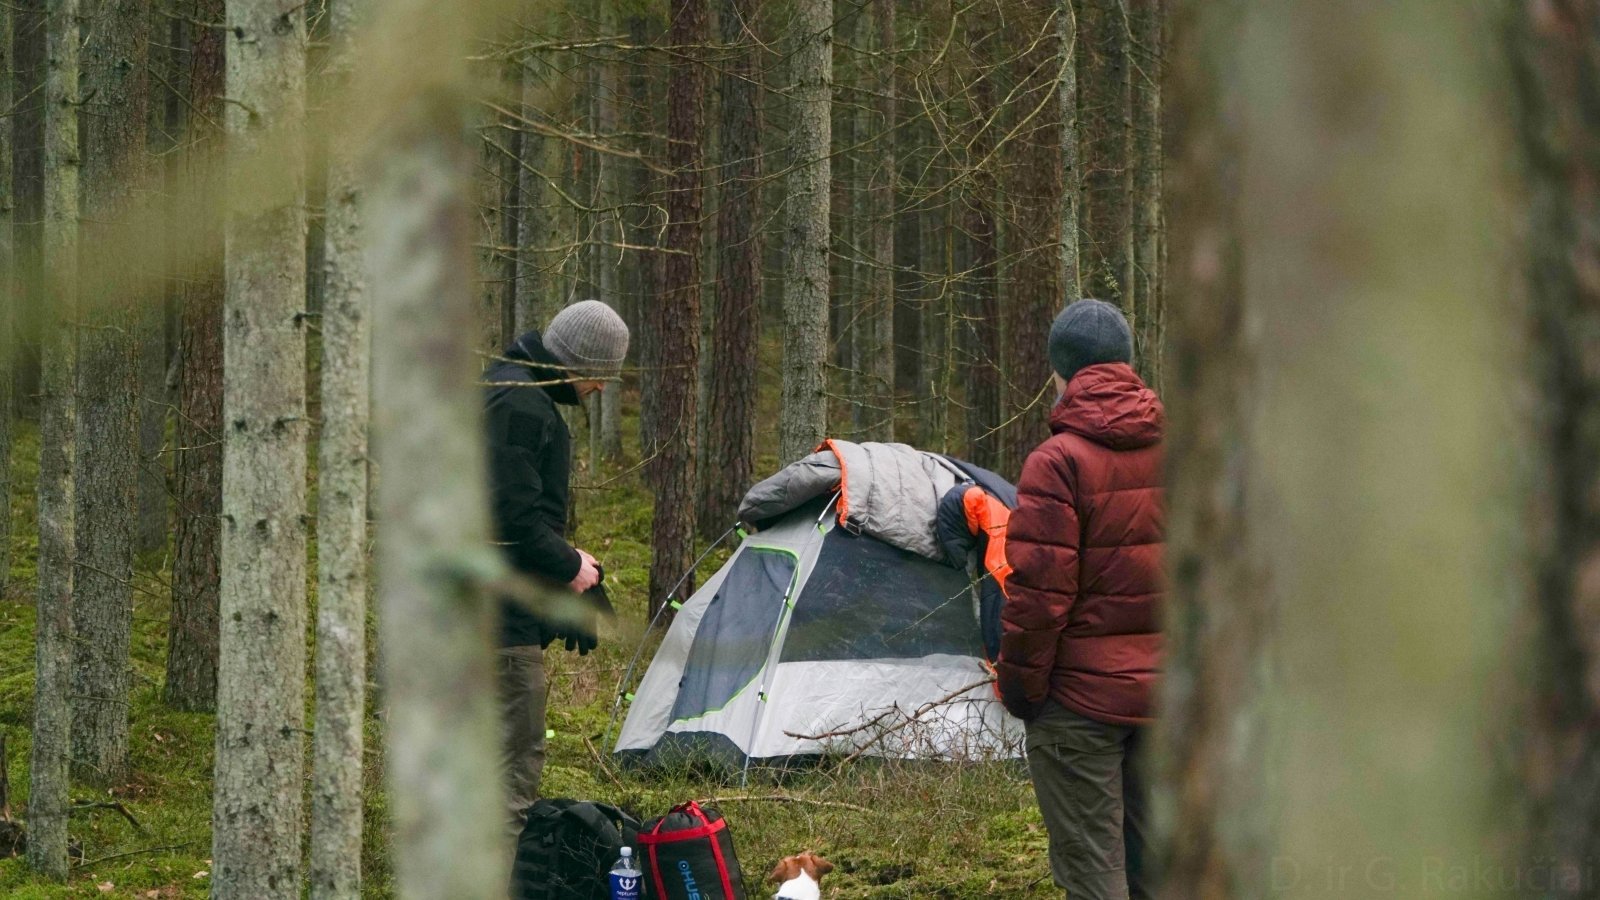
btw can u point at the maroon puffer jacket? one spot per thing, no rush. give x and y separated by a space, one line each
1082 616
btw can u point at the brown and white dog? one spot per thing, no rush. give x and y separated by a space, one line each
800 876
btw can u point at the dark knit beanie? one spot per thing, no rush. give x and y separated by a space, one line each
1086 333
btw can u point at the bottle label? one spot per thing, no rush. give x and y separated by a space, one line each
624 886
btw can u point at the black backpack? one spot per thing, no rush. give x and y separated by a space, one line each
688 855
567 848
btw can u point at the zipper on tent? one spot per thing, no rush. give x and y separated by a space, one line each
775 648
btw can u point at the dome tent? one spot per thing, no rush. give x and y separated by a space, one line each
847 620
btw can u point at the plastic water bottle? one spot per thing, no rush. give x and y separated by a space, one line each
625 879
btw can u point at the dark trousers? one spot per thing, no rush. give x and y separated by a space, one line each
1095 800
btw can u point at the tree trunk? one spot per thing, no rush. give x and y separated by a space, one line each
1556 77
1103 44
803 422
436 621
1146 19
532 231
11 287
152 403
1035 289
1220 611
192 633
27 180
115 65
1071 143
1327 426
736 325
678 389
47 765
984 397
877 332
261 682
336 808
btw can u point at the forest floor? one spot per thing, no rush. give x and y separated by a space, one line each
893 830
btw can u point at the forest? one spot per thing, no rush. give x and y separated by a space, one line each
262 260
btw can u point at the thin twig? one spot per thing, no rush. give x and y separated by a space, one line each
90 862
782 798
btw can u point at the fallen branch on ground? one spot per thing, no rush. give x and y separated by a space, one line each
781 798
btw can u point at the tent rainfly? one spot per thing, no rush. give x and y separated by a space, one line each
857 616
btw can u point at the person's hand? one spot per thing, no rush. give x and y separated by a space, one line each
588 574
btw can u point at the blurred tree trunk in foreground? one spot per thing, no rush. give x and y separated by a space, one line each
1555 54
436 622
804 416
1220 613
192 631
11 286
341 683
256 810
47 765
116 55
736 321
678 385
1330 722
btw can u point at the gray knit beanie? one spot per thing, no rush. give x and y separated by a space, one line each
1086 333
589 338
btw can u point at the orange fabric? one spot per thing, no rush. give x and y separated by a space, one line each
987 514
844 481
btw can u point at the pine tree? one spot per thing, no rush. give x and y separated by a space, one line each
261 677
47 766
435 619
804 418
736 324
1556 75
336 796
677 387
116 65
193 631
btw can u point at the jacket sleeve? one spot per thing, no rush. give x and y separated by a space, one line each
516 442
1042 545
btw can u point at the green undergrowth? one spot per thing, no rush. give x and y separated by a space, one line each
893 830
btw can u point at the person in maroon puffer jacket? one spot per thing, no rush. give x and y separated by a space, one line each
1080 652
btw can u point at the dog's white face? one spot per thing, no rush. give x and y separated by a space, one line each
800 876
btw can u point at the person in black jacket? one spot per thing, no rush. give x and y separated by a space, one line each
530 454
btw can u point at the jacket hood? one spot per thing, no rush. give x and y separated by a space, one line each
529 348
1110 405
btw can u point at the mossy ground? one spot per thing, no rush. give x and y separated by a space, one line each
902 831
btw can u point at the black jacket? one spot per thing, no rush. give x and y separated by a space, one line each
530 455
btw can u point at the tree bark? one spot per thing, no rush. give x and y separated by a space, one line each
48 760
1376 379
1556 76
1147 299
1035 294
528 295
877 333
192 632
1103 45
1071 144
984 398
116 58
436 621
261 681
27 182
1220 611
336 806
11 286
803 422
678 390
736 325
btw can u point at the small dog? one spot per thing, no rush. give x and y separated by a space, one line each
800 877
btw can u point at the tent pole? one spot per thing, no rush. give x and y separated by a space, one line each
616 704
